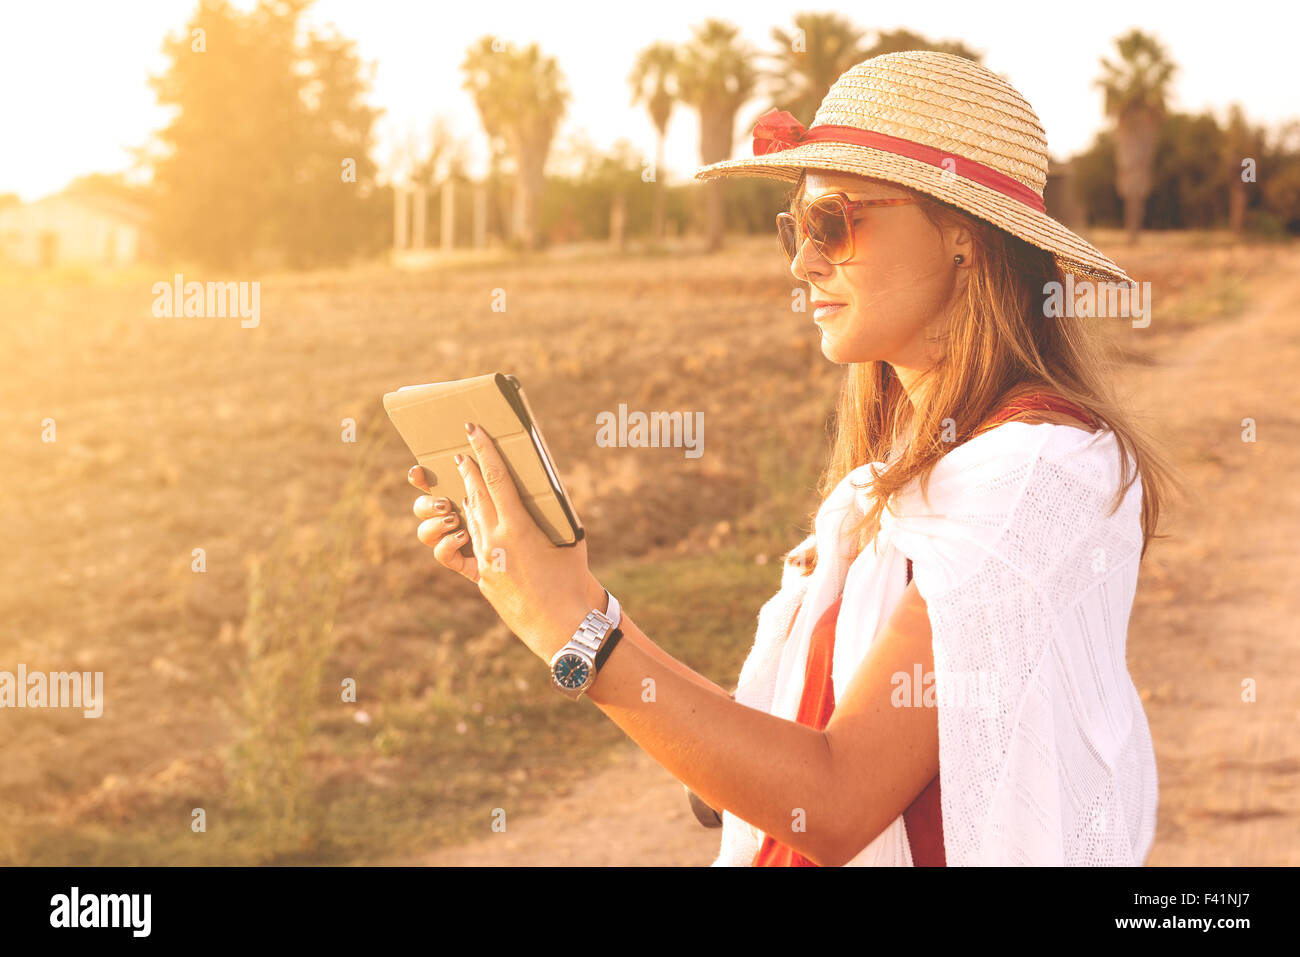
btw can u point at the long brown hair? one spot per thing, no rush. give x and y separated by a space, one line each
998 345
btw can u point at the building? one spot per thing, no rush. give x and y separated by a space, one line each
82 228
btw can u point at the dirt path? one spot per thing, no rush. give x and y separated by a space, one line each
634 813
1217 606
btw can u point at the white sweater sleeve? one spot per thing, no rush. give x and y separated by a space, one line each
1044 750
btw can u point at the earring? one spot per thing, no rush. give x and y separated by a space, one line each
958 259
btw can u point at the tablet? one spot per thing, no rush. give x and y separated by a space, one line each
431 420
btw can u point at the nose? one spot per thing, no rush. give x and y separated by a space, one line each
808 261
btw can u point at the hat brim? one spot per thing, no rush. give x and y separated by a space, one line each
1074 253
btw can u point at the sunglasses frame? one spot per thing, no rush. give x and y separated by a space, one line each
846 207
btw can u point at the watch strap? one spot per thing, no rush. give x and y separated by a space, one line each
606 647
592 631
595 638
615 614
612 610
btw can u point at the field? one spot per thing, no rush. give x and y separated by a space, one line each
223 667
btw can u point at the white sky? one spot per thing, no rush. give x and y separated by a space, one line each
74 96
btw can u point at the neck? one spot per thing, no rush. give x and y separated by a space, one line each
909 379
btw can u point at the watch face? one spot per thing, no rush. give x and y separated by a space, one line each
571 671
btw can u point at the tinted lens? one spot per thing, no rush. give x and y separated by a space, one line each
827 222
787 233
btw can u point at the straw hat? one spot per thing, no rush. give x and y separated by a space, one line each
936 123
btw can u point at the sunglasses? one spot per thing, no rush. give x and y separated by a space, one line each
828 222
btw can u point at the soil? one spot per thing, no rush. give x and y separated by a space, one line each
1215 614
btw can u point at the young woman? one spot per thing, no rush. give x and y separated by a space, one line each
941 678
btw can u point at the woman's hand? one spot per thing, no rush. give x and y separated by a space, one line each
541 591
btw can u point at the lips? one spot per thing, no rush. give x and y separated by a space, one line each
822 308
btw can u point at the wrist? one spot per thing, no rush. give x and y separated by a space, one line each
596 597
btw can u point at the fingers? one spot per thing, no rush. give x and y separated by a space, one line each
437 525
439 522
447 539
432 530
416 477
448 552
441 528
473 524
493 479
477 499
426 506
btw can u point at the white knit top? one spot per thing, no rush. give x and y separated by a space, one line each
1045 756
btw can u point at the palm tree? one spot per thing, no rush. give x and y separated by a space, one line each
521 98
1136 89
716 76
899 41
823 47
809 60
654 82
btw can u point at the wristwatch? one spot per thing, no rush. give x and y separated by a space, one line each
575 666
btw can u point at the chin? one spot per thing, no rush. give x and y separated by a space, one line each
838 356
843 353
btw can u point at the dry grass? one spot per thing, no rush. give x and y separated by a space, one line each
222 687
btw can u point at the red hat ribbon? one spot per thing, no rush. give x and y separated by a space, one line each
777 130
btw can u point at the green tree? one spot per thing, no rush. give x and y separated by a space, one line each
1136 90
1187 178
251 168
1240 142
654 83
521 98
900 41
578 207
809 59
716 76
1280 177
1197 167
1092 179
337 194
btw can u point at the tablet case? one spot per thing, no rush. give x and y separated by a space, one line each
431 420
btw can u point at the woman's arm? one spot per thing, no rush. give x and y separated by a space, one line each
842 786
668 661
597 598
823 793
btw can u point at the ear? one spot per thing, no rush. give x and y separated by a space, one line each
960 241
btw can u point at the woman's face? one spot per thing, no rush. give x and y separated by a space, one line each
896 289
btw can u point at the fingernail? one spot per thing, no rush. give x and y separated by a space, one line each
459 458
441 504
469 428
460 536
